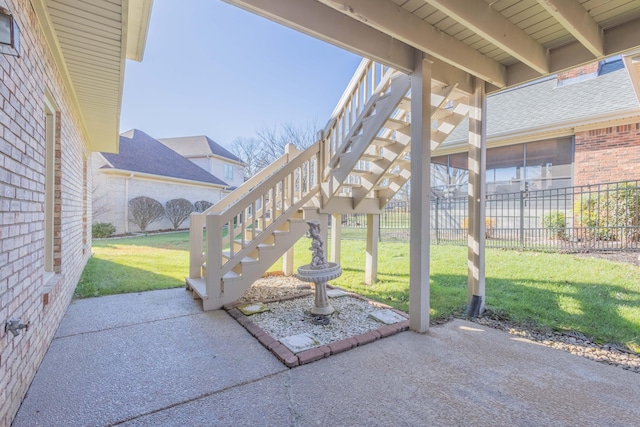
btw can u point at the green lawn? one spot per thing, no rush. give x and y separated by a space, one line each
596 297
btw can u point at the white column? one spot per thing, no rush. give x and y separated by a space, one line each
373 236
287 262
336 232
420 194
477 172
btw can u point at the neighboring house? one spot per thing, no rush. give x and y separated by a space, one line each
145 167
50 122
580 127
210 156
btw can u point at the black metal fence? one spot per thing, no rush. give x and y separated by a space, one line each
571 219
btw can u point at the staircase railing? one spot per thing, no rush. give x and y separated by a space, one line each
369 80
247 216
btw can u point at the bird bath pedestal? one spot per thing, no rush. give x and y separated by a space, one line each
319 271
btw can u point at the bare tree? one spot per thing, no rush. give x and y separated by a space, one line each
248 150
269 143
201 206
178 210
144 211
99 204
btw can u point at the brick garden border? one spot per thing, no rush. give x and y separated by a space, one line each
290 359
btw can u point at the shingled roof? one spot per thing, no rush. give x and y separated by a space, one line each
545 104
198 146
140 152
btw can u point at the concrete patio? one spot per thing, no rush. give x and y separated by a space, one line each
157 359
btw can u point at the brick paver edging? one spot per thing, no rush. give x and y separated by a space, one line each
292 360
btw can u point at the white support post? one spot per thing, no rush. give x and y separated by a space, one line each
196 229
214 256
373 236
477 211
419 285
287 262
336 236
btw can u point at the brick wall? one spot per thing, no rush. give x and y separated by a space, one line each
23 293
607 155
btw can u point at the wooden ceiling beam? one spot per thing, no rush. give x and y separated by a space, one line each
575 18
317 20
490 24
402 25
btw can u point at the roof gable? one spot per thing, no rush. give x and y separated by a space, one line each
194 146
140 152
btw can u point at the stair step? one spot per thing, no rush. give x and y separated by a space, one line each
198 286
371 157
227 254
231 275
398 125
383 142
361 172
405 104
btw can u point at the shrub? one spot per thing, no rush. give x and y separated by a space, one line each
100 230
178 210
144 211
611 214
555 224
489 224
201 206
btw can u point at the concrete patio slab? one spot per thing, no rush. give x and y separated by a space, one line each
205 369
91 314
110 375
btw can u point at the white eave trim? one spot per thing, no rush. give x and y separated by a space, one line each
560 129
139 15
161 178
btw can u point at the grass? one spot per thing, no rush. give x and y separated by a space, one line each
597 297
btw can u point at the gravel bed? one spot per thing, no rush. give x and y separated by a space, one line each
292 317
278 287
570 341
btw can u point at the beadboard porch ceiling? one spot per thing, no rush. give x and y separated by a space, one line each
503 42
90 41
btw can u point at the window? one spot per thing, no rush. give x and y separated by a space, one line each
49 187
228 172
534 166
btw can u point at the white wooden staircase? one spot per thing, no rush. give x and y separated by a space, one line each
359 163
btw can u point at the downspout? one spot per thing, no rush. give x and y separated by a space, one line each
126 203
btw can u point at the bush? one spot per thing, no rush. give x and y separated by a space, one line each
100 230
489 224
555 224
610 215
201 206
178 210
144 211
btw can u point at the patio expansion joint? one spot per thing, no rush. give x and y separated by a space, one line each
129 325
199 397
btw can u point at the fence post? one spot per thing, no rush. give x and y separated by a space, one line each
437 222
521 220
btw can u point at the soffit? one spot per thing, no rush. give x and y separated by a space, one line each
90 42
504 42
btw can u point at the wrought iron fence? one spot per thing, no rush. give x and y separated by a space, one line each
572 219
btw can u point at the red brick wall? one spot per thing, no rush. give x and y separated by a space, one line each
23 293
607 155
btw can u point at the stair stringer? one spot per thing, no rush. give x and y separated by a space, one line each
373 120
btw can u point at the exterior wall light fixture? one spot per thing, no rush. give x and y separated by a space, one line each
9 32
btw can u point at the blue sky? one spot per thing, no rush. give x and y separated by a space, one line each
211 68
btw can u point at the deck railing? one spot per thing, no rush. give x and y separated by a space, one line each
243 219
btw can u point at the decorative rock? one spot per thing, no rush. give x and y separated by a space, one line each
249 309
300 342
387 316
